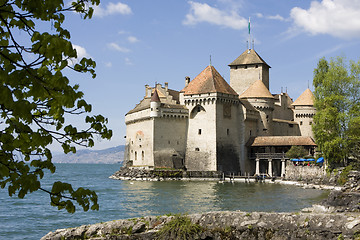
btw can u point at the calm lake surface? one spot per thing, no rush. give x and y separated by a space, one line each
33 217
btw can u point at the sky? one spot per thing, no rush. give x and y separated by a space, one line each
141 42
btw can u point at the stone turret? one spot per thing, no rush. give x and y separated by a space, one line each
304 112
247 69
261 99
155 105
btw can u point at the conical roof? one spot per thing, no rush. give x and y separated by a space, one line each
208 81
257 90
155 97
248 57
305 99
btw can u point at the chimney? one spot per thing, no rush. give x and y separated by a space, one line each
166 86
187 81
146 90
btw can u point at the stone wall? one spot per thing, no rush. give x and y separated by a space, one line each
242 78
304 173
139 138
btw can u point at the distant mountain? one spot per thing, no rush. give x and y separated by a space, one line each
109 155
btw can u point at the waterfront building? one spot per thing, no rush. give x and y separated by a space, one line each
211 125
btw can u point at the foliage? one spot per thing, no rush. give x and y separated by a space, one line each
296 152
337 101
180 227
35 98
344 175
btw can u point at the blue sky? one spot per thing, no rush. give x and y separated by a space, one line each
142 42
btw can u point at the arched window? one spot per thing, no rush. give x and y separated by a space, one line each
142 155
196 110
135 155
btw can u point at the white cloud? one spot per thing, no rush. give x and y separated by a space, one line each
339 18
122 32
81 53
132 39
259 15
128 61
202 12
116 47
112 8
108 64
276 17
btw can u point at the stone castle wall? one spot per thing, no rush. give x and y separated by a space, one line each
303 173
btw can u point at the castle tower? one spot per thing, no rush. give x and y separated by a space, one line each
304 112
155 105
260 98
247 69
214 127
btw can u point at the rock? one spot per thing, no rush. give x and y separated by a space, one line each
352 224
226 225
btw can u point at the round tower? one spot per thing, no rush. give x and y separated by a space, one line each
260 98
155 105
304 112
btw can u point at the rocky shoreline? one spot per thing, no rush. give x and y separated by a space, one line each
223 225
337 218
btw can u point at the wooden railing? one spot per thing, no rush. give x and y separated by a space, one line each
268 156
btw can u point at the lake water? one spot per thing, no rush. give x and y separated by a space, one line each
33 217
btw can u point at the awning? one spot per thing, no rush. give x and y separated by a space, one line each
320 160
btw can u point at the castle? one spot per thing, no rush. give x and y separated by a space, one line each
211 125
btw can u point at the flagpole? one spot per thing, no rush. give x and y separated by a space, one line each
249 36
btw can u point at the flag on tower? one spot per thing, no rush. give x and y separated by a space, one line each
249 25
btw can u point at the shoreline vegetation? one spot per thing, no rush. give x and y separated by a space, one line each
337 217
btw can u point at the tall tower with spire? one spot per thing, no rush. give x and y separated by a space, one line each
247 69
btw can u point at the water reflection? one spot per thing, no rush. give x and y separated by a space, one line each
157 198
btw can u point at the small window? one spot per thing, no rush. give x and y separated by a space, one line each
151 109
300 122
142 155
310 123
135 155
169 142
177 142
245 67
250 132
256 66
199 131
291 125
227 131
264 129
140 146
197 149
199 109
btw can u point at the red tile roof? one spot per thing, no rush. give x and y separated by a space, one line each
208 81
280 141
248 57
305 99
155 97
257 90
